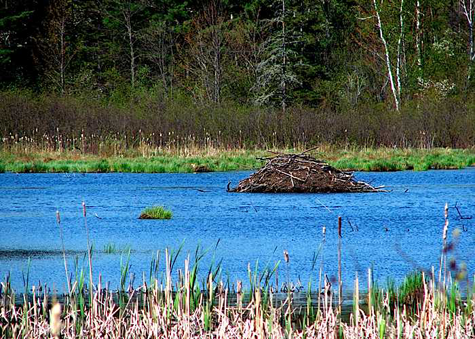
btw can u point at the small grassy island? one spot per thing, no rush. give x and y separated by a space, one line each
156 212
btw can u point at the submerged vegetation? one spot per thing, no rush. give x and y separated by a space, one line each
156 212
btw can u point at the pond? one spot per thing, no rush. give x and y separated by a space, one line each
394 233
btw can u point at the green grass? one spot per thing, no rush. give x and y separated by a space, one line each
357 159
111 248
155 212
402 159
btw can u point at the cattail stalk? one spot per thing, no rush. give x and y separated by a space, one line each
443 259
370 292
356 300
324 231
340 283
287 260
91 285
58 221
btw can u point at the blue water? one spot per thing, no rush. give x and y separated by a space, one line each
394 233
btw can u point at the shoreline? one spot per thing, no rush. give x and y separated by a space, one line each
224 160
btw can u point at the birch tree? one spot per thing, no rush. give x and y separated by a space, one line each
394 77
468 11
418 37
159 43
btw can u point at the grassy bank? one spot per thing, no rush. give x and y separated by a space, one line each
187 160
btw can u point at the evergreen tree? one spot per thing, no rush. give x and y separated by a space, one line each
17 25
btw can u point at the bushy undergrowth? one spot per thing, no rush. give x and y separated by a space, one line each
94 126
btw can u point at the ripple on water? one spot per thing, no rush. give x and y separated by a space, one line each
393 233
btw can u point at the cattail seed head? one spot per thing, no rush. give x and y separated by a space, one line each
58 218
446 212
84 209
55 322
286 256
446 228
456 233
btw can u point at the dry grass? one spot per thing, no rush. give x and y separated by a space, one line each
179 310
427 307
115 155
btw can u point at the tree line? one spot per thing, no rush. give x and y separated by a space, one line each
325 55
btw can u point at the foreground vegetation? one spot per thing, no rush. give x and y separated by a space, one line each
22 159
186 308
174 303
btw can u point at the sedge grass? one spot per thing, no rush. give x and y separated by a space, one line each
112 248
156 212
171 160
179 307
176 305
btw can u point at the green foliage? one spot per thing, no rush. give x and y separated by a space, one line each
381 159
313 53
111 248
239 74
155 212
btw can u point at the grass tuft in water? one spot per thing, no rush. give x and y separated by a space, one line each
155 212
112 248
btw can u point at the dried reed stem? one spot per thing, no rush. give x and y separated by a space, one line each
340 283
58 221
91 285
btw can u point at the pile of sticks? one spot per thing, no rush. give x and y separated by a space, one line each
299 173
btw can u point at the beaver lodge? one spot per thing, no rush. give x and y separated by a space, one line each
299 173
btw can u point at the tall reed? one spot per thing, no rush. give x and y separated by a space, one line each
89 249
58 221
167 308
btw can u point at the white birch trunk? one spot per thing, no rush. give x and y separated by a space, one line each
398 64
418 41
468 12
62 63
128 25
388 59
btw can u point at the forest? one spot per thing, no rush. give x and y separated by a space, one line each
396 73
